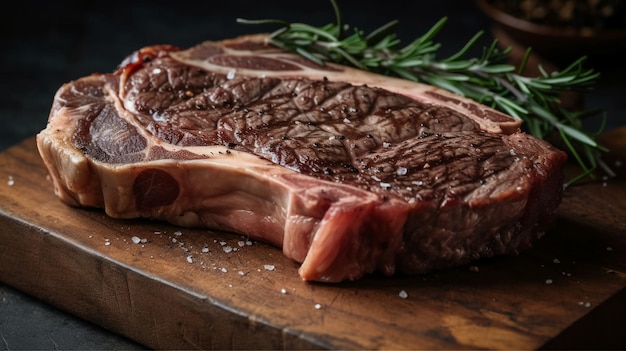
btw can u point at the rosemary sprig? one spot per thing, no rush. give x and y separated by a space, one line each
487 79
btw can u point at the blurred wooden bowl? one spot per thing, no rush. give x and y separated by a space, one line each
558 44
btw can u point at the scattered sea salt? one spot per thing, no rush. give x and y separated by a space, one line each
317 306
135 239
548 281
241 243
205 249
269 267
241 273
386 144
227 249
283 291
248 242
556 260
385 185
190 259
11 182
178 233
403 294
608 248
156 71
223 270
231 74
401 171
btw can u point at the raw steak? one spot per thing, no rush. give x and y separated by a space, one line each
349 172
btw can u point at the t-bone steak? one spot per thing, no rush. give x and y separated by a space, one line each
349 172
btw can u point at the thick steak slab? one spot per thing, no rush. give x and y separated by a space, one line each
349 172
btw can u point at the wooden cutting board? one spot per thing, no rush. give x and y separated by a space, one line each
180 288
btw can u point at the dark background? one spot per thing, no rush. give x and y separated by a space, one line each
43 45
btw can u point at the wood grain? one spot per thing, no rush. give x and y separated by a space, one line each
168 292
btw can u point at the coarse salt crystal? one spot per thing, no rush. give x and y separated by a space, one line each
548 281
228 249
241 273
269 267
317 306
222 243
248 242
403 294
402 171
205 249
224 270
156 71
556 260
283 291
190 259
135 239
178 233
11 181
609 248
231 74
385 185
241 243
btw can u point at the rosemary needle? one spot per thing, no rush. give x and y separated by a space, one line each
488 79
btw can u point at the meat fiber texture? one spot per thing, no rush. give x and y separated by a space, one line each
350 172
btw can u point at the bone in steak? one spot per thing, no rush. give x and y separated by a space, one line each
349 172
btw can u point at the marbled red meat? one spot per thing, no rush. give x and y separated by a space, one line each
349 172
